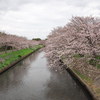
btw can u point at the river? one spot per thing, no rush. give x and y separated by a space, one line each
32 79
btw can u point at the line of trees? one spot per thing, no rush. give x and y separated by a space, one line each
80 36
15 42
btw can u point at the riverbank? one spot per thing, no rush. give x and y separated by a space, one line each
11 58
88 82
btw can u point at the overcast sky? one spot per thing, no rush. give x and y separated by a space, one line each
36 18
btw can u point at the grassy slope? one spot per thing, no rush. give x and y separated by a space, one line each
89 83
87 80
11 57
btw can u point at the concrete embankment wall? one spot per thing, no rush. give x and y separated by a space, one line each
89 90
73 74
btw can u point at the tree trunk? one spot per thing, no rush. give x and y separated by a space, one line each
5 48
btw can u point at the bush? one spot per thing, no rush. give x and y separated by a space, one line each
19 56
92 62
98 66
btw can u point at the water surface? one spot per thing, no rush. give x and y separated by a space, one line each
31 79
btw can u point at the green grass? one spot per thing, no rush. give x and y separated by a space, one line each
83 77
98 57
11 57
92 61
89 82
98 90
98 66
78 55
63 58
95 62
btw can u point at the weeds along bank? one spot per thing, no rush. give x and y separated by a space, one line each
78 45
7 59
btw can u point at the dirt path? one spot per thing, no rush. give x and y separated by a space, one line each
7 51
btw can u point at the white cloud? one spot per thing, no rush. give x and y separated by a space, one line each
36 18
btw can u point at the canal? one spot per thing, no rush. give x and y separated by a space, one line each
31 79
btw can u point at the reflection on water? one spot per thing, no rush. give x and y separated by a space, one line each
31 79
61 86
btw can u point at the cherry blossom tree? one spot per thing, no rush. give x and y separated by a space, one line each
85 32
80 36
7 40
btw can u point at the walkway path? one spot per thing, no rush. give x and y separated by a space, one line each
7 51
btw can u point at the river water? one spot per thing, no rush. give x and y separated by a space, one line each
31 79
